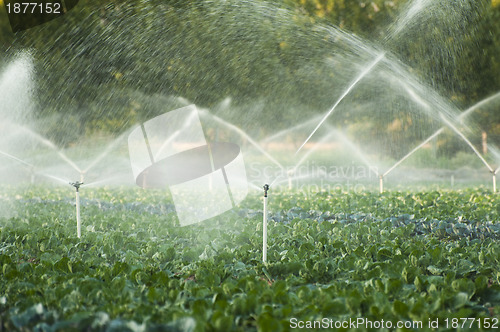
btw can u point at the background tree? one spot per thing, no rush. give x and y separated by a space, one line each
108 64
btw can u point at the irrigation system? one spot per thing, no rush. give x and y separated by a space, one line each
264 225
77 186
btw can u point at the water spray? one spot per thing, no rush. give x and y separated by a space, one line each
264 225
461 117
346 92
31 168
50 145
32 175
492 171
466 140
77 185
290 174
242 134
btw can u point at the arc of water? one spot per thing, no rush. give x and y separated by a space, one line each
461 117
58 179
25 163
108 149
411 12
283 132
52 146
437 133
356 151
413 151
254 186
495 152
8 155
244 135
346 92
314 148
459 133
344 140
471 109
275 180
167 142
95 183
304 158
32 167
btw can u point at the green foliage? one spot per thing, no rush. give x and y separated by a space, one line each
396 256
99 66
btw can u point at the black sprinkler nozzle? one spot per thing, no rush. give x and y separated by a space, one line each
76 184
266 188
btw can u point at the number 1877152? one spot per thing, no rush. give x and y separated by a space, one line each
33 8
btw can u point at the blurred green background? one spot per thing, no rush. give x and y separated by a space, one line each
118 53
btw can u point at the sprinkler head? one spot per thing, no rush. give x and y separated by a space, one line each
266 188
76 184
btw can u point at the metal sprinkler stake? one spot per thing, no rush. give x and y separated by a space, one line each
264 226
77 185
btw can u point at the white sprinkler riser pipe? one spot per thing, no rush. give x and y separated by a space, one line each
78 221
264 231
381 184
494 182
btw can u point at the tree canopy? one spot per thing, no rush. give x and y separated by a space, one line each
96 65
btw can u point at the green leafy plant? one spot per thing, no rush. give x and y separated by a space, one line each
398 256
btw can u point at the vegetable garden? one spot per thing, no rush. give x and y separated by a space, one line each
395 257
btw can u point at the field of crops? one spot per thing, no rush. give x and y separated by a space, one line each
359 261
